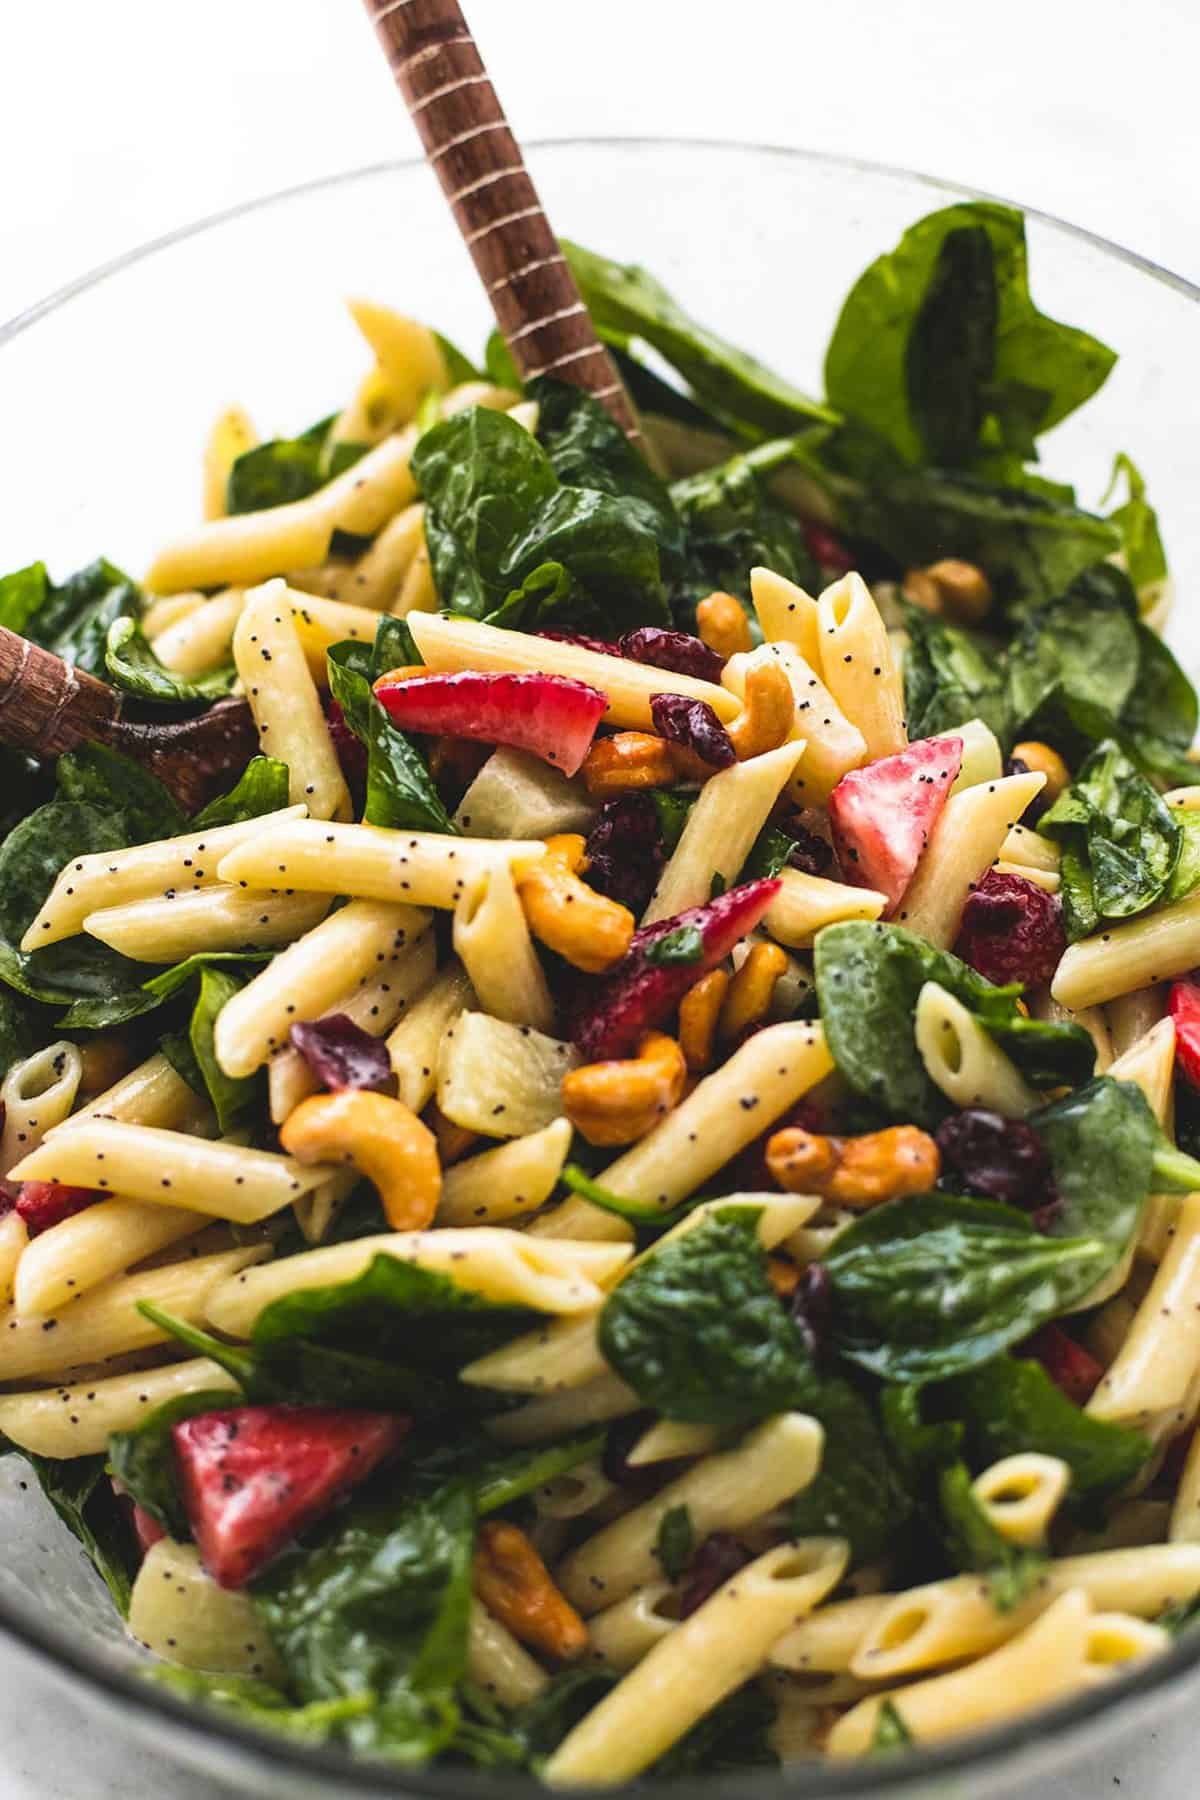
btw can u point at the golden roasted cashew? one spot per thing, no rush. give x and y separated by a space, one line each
625 762
1040 759
722 624
768 712
516 1587
619 1102
588 929
855 1171
951 586
749 998
698 1013
383 1138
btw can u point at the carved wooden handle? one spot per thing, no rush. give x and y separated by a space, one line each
46 705
461 123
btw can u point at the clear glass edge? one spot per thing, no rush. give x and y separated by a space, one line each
977 1751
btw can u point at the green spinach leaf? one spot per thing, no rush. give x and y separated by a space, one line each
891 1733
72 619
675 1541
857 1493
733 524
1121 843
261 788
231 1096
132 665
975 1543
1137 521
257 1703
950 677
287 469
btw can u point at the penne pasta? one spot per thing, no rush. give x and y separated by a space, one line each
786 613
152 1094
858 667
379 572
498 1664
1021 1494
286 706
177 1610
202 639
962 848
36 1095
504 1183
964 1061
1156 946
1160 1356
807 903
232 434
833 745
91 1246
173 927
413 1045
79 1420
492 941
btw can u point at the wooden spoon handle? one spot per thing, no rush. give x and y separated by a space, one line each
48 706
461 123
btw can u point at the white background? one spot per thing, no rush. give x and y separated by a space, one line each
119 121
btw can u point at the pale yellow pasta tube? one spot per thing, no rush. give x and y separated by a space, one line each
78 1420
1132 1016
232 434
1184 1526
1150 1062
774 1461
159 614
962 848
419 591
1021 1494
786 613
380 570
728 815
858 667
575 1492
622 1634
453 644
113 877
712 1653
179 1612
82 1251
948 1620
413 1045
981 756
492 941
370 862
106 1323
306 979
1043 878
826 1642
1040 1664
806 903
284 701
502 1265
1161 1355
379 999
167 1168
501 1184
202 640
1029 850
1156 946
832 744
550 1415
738 1101
36 1095
964 1061
409 355
321 622
14 1241
667 1439
500 1079
166 930
152 1094
498 1664
250 547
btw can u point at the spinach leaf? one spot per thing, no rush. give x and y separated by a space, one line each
675 1541
231 1096
869 978
497 516
1121 843
496 1477
460 368
941 335
1161 714
132 665
932 1285
19 1035
697 1332
143 1460
1102 1141
261 788
380 1606
498 363
683 945
81 1494
732 524
118 1009
734 1735
22 594
400 790
1137 521
94 775
257 1703
974 1543
627 301
642 1213
1186 878
891 1733
72 619
673 809
1010 1406
857 1493
951 676
287 469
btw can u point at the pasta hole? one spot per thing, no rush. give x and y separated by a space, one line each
902 1626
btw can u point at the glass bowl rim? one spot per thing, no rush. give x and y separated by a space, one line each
1067 1719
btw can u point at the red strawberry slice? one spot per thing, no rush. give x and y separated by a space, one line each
45 1203
638 992
1070 1367
552 716
882 816
1183 1005
254 1477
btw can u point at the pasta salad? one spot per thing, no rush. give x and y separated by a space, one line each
621 1198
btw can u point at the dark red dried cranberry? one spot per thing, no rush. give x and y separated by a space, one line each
342 1055
810 853
351 751
1000 1158
677 650
828 549
694 724
45 1203
625 850
811 1308
1012 930
713 1562
602 646
1069 1366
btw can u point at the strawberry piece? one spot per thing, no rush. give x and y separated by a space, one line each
1183 1006
638 992
45 1203
147 1529
551 716
882 815
253 1478
1070 1367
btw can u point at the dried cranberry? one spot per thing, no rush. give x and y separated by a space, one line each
677 650
1069 1366
342 1055
351 751
811 1308
45 1203
625 850
602 646
694 724
1012 931
809 853
829 550
713 1562
1000 1158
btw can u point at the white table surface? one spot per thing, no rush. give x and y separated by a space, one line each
120 121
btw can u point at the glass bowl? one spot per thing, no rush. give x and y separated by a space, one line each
107 390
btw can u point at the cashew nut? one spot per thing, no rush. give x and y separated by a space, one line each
722 624
768 711
385 1141
619 1102
698 1013
748 1000
625 762
516 1587
856 1171
588 929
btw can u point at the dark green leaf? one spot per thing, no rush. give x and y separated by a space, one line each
683 945
81 1494
120 1008
257 1703
22 595
950 677
733 1736
1121 842
675 1541
636 1212
400 790
261 788
94 775
733 524
495 1477
1101 1141
19 1033
891 1733
1186 878
673 809
1137 521
856 1493
975 1543
73 620
231 1096
951 351
288 469
498 363
133 666
460 368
